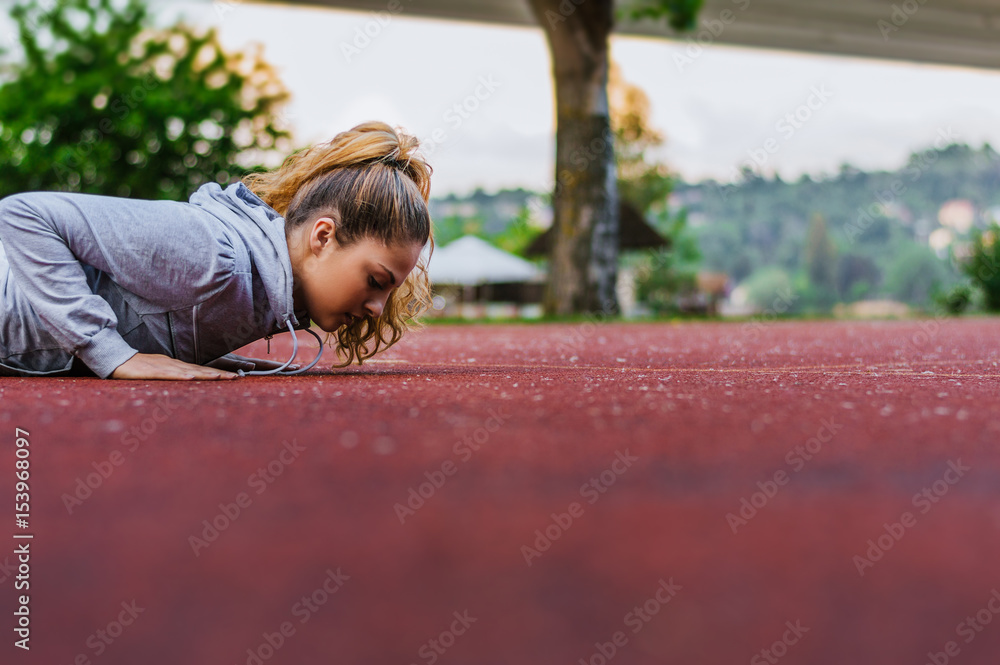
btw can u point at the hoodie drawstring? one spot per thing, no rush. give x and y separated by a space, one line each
295 351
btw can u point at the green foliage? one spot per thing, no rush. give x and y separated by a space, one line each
821 257
648 188
453 227
759 221
516 237
642 182
101 102
857 277
664 275
645 184
955 301
503 219
681 14
767 287
983 265
915 274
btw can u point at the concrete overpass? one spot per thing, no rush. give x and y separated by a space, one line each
950 32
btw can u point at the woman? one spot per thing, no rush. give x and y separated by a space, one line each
130 289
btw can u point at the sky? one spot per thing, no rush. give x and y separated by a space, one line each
486 93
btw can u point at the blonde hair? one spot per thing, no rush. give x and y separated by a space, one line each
372 176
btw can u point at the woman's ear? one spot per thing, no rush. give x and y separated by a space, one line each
324 234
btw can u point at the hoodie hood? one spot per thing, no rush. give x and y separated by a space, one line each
262 230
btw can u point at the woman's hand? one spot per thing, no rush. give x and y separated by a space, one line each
157 366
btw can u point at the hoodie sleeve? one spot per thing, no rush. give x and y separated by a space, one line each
169 253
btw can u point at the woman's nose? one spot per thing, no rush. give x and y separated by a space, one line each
375 306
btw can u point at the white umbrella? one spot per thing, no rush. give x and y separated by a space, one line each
470 261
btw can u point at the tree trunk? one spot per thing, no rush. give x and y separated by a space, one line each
584 259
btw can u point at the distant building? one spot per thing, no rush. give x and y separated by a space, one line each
957 214
472 278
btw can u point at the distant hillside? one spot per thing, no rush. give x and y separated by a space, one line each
489 214
881 226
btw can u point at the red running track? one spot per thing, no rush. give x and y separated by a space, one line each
614 459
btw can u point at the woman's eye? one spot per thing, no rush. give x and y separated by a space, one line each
373 283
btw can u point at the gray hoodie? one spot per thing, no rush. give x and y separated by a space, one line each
101 278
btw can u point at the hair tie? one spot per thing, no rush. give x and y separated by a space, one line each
394 159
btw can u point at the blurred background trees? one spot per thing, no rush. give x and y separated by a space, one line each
820 265
101 101
779 239
907 247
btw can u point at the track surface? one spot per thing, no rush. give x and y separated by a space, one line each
699 417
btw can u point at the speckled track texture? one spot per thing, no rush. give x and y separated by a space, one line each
821 493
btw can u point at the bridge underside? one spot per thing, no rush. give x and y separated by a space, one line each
956 32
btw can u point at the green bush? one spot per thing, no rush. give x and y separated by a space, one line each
772 289
102 102
983 265
957 300
666 275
